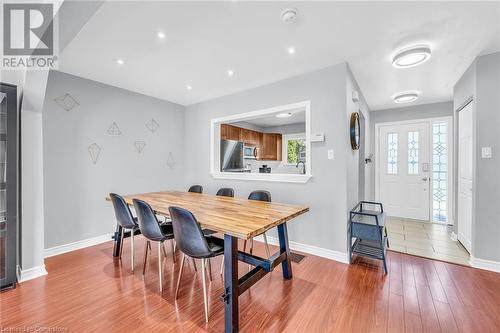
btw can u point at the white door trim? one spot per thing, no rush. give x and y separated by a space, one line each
449 121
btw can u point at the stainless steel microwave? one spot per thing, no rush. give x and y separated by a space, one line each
250 152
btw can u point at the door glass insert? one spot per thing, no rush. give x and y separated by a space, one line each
392 153
440 172
413 153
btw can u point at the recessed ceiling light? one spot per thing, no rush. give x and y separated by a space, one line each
188 87
405 97
413 56
120 61
291 50
160 35
284 115
288 15
230 72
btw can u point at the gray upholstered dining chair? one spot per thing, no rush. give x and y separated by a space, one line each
259 195
225 192
126 220
151 229
193 243
196 189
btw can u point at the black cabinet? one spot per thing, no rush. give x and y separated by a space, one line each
9 185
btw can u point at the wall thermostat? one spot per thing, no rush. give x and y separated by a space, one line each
318 137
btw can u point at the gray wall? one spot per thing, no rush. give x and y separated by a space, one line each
423 111
358 175
74 188
488 179
325 225
482 82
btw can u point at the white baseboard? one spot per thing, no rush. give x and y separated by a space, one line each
454 236
31 273
56 250
310 249
488 265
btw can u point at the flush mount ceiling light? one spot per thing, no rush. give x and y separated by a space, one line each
160 35
188 87
413 56
284 115
291 50
120 61
230 72
405 97
288 15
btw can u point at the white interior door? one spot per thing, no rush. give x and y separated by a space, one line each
404 170
465 176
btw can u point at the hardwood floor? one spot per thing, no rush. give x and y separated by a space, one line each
88 291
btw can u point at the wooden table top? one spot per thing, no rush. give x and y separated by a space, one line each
237 217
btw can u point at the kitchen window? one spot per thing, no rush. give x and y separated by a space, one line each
294 148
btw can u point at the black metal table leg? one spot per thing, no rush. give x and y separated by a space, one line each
284 248
231 293
118 241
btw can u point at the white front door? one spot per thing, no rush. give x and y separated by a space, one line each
404 170
465 176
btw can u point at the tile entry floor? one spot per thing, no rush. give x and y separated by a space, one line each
430 240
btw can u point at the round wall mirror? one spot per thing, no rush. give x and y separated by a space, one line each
355 131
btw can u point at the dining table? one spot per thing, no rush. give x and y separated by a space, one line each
235 218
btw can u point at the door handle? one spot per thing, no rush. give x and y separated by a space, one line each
425 179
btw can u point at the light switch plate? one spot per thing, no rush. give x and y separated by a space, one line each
331 154
486 152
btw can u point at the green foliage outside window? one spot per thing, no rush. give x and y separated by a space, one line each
295 147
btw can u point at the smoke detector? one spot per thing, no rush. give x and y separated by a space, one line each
288 15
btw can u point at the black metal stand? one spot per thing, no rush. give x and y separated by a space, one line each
367 227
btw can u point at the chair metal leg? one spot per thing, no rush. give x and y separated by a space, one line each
164 251
251 252
181 269
209 269
121 241
132 249
205 300
222 267
173 249
267 245
145 257
160 266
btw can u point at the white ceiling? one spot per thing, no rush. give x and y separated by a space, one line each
205 39
297 117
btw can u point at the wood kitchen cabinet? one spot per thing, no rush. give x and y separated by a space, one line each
229 132
271 147
268 144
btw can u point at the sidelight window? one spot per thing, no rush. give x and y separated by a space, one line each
440 172
392 153
413 153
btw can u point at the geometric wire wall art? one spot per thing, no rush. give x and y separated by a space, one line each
114 129
139 146
152 125
67 102
94 151
170 160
